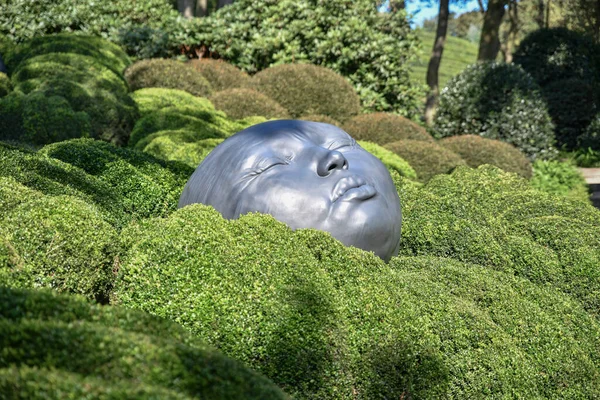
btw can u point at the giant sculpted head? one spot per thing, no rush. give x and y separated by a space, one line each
307 175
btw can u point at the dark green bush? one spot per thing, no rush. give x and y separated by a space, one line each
496 101
143 42
320 118
572 106
308 89
101 50
58 242
561 178
391 160
326 321
427 158
550 55
221 75
155 99
384 128
242 103
170 74
591 137
371 49
476 151
63 347
5 85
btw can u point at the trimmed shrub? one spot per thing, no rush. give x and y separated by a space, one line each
170 74
5 85
372 50
391 160
101 50
143 42
320 118
12 193
384 128
60 243
326 321
561 178
476 151
170 146
242 103
220 74
308 89
61 346
555 54
427 158
591 137
151 100
572 106
496 101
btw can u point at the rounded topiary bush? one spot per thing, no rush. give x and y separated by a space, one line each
427 158
172 145
591 137
220 74
242 103
169 74
561 178
496 101
476 151
320 118
5 85
155 99
384 128
308 89
391 160
572 105
60 243
549 55
56 347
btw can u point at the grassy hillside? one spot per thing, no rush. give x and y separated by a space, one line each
458 53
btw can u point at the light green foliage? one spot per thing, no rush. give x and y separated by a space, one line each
308 89
12 193
221 75
458 55
384 128
477 151
242 103
170 74
150 100
5 85
496 101
427 158
389 159
171 145
60 347
326 321
561 178
371 49
58 242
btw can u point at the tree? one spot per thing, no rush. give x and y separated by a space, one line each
435 60
489 44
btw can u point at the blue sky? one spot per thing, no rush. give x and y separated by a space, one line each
424 10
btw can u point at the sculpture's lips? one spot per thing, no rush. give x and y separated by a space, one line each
351 188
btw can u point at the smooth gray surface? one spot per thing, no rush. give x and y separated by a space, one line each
306 174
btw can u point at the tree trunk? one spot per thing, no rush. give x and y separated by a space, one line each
540 17
548 14
435 60
186 8
201 8
223 3
489 44
513 17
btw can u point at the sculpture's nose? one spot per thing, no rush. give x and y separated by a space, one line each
331 161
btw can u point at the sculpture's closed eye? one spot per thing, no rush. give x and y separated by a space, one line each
268 163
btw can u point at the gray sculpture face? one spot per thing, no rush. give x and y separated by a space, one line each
306 174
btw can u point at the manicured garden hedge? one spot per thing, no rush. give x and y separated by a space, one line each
62 347
5 85
221 75
170 74
155 99
242 103
391 160
476 151
384 128
320 118
560 177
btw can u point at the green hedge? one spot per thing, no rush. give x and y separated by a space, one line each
62 347
320 118
58 242
591 137
427 158
561 178
391 160
5 85
151 100
326 321
384 128
308 89
496 101
171 145
221 75
242 103
170 74
477 151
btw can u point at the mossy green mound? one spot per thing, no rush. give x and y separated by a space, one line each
476 151
391 160
5 85
168 147
320 118
220 74
170 74
326 321
150 100
384 128
60 346
242 102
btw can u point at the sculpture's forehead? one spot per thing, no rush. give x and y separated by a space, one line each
288 139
